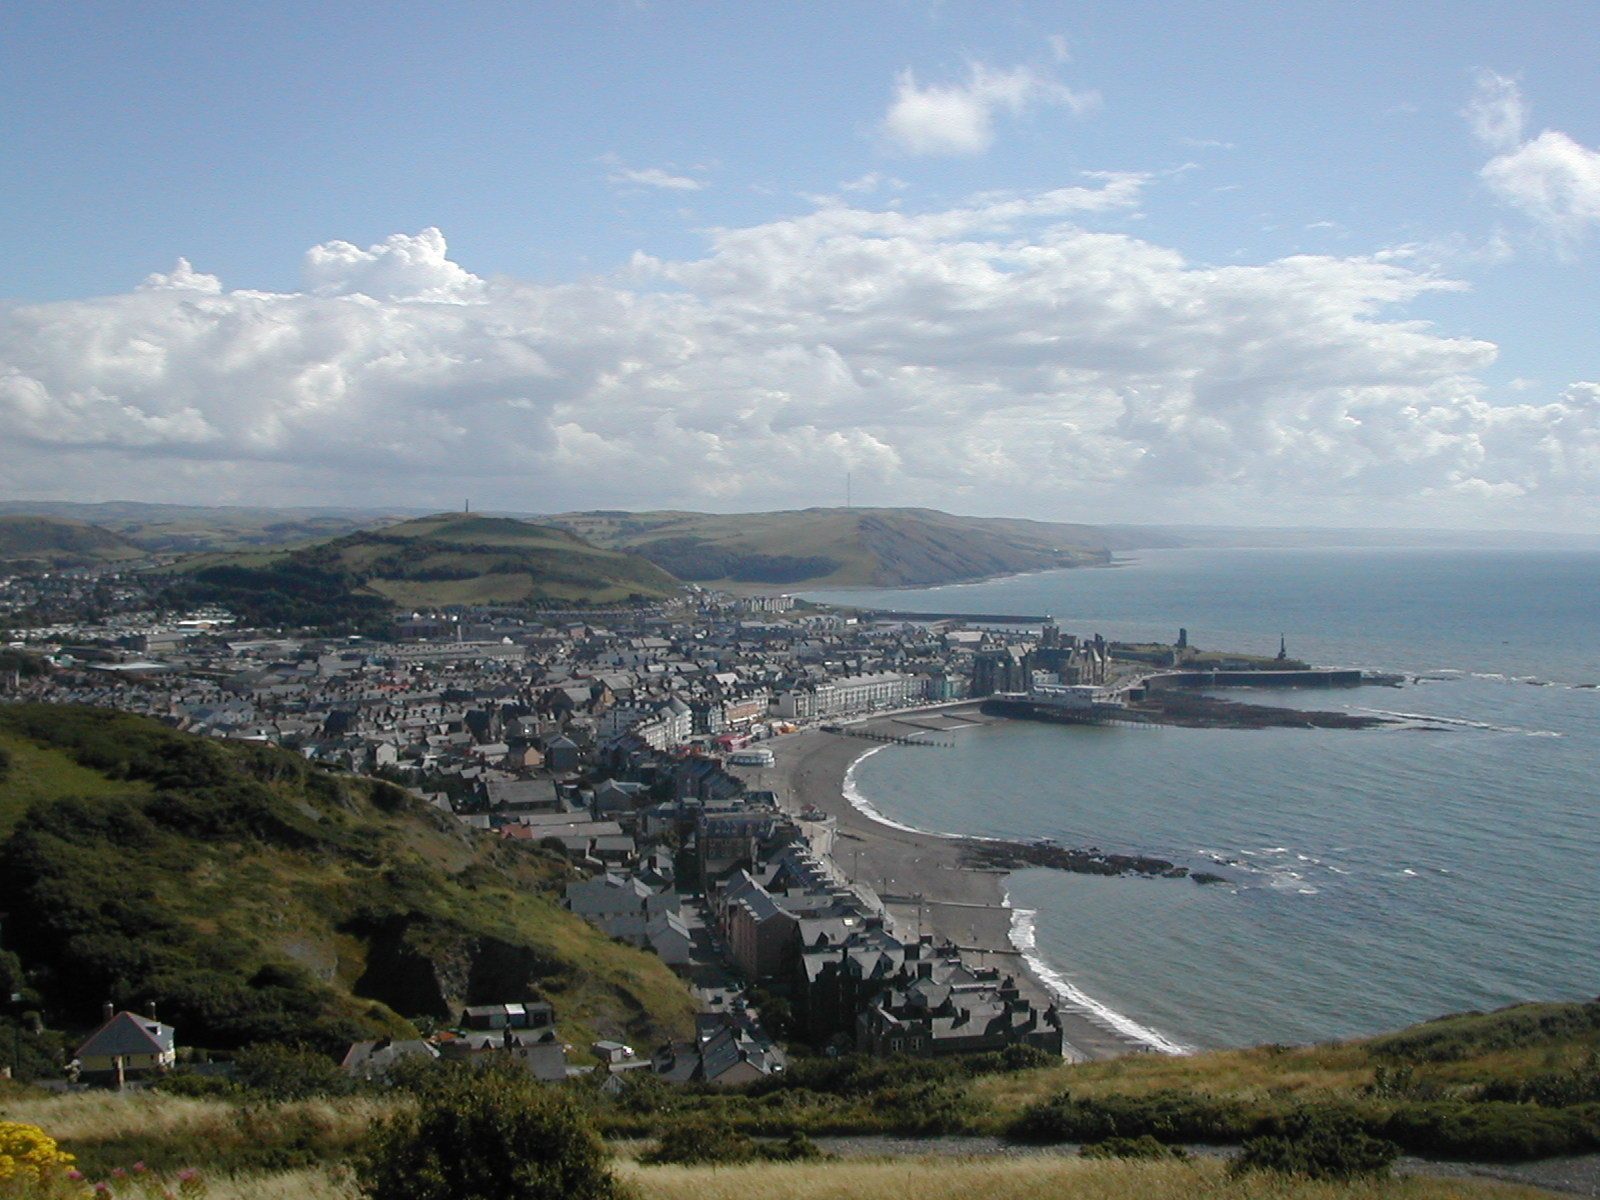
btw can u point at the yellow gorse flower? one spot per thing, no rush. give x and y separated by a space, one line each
29 1153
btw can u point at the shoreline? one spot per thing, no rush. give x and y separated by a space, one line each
926 881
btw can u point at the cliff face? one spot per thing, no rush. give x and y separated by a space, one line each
424 967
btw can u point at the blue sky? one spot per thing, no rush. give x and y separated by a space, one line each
1233 262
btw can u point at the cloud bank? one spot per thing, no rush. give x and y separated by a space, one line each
999 356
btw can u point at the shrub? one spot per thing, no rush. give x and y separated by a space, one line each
1553 1089
1168 1116
701 1142
1318 1145
489 1135
289 1073
797 1147
196 1087
29 1155
1508 1132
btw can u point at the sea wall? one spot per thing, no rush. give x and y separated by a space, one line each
1253 679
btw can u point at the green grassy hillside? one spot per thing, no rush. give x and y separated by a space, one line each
839 547
60 542
449 559
256 898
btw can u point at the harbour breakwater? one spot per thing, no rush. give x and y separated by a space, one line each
1310 678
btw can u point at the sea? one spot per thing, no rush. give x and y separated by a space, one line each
1374 878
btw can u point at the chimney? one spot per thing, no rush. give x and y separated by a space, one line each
107 1011
150 1009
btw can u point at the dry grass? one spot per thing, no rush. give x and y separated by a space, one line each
935 1179
104 1130
1027 1179
107 1116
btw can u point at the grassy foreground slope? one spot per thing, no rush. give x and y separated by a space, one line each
256 898
447 559
839 547
61 542
308 1142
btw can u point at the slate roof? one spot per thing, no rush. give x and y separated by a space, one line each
128 1034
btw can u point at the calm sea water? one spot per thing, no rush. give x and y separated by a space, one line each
1376 877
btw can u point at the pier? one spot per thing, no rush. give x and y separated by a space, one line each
1310 678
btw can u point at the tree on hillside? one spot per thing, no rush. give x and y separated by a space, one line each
487 1135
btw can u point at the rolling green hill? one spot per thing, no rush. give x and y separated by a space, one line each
196 529
256 898
59 542
839 547
448 559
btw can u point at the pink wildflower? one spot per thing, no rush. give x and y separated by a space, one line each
75 1175
139 1168
118 1173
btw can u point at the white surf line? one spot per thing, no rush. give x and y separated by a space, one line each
858 801
1461 722
1024 939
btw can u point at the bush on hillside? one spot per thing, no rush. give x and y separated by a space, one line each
1318 1145
1506 1132
490 1135
1579 1084
277 1073
1167 1116
701 1141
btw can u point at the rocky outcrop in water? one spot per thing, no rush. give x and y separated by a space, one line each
1011 856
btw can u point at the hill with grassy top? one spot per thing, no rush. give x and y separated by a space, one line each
256 898
437 561
839 547
197 528
44 542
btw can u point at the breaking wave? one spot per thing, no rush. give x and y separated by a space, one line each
1023 938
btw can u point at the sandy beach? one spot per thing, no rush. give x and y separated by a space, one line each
958 902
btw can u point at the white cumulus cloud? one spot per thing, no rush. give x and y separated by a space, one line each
958 118
1551 179
1001 355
